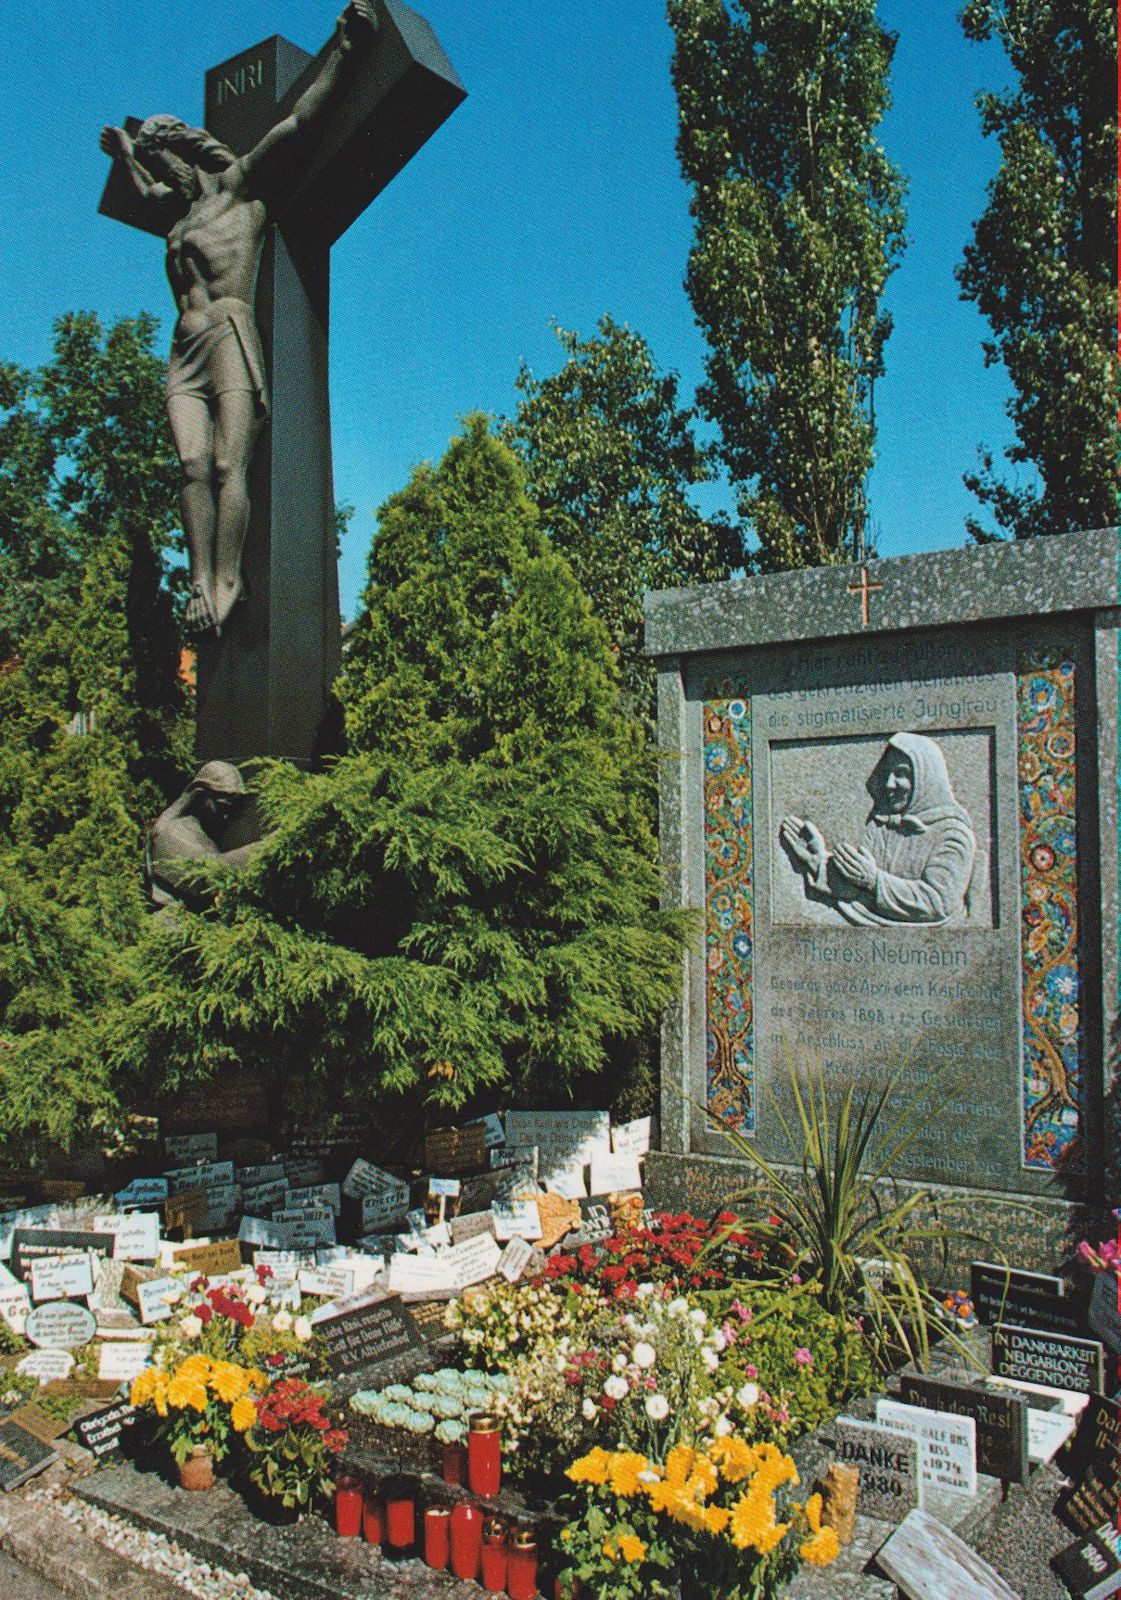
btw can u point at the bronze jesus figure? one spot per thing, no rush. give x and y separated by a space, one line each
214 208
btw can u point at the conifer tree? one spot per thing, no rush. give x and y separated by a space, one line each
799 222
611 459
1042 264
467 901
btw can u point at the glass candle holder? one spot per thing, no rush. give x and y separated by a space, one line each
348 1508
455 1463
400 1519
493 1557
521 1565
373 1519
484 1456
466 1531
437 1536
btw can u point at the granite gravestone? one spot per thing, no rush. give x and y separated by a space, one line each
264 681
895 801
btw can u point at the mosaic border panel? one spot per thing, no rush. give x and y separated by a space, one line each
1052 1077
729 909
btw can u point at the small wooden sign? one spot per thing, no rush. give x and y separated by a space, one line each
21 1455
928 1562
449 1152
210 1260
42 1425
186 1211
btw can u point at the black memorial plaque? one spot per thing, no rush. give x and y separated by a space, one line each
32 1244
1024 1299
21 1455
1058 1361
102 1430
1091 1459
1091 1566
1002 1421
378 1331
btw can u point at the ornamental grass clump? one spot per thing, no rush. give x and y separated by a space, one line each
200 1402
719 1519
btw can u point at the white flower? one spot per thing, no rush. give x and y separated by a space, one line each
678 1307
302 1329
698 1334
619 1363
643 1354
256 1294
698 1316
644 1291
748 1396
710 1359
723 1427
588 1410
716 1339
191 1326
657 1407
282 1322
616 1387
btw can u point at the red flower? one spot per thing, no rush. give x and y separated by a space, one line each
203 1313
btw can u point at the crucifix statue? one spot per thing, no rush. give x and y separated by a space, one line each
294 148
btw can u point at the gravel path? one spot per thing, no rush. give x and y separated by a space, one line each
148 1550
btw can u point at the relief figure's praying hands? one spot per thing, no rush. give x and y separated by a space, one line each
806 845
857 864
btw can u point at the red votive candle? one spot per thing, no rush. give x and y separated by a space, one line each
373 1520
400 1520
455 1463
348 1508
466 1530
437 1536
484 1456
521 1565
494 1557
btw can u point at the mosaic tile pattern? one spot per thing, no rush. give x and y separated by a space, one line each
729 909
1049 913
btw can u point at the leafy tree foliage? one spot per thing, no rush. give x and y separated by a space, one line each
1042 263
91 708
467 899
799 221
611 458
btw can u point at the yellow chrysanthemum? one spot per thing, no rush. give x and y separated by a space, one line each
703 1480
593 1468
626 1465
159 1400
812 1509
821 1548
256 1377
183 1392
196 1368
753 1524
243 1414
143 1387
631 1547
679 1464
715 1519
609 1550
736 1458
228 1381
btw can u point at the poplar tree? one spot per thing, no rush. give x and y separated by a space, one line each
799 222
612 457
1042 264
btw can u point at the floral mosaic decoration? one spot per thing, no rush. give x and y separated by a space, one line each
729 908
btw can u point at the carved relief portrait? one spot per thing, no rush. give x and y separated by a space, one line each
878 834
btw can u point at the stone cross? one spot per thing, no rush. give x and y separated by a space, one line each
264 683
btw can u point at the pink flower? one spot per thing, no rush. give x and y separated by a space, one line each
795 1277
1086 1251
751 1370
739 1310
802 1357
729 1333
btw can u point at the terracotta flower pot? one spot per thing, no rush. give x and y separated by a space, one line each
197 1472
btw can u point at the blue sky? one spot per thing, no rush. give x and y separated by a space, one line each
552 193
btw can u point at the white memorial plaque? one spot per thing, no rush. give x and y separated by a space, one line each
614 1174
564 1178
269 1235
136 1234
409 1274
384 1209
514 1260
46 1365
68 1279
60 1325
1048 1431
632 1138
947 1444
519 1218
15 1304
332 1283
121 1363
157 1296
569 1133
473 1261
